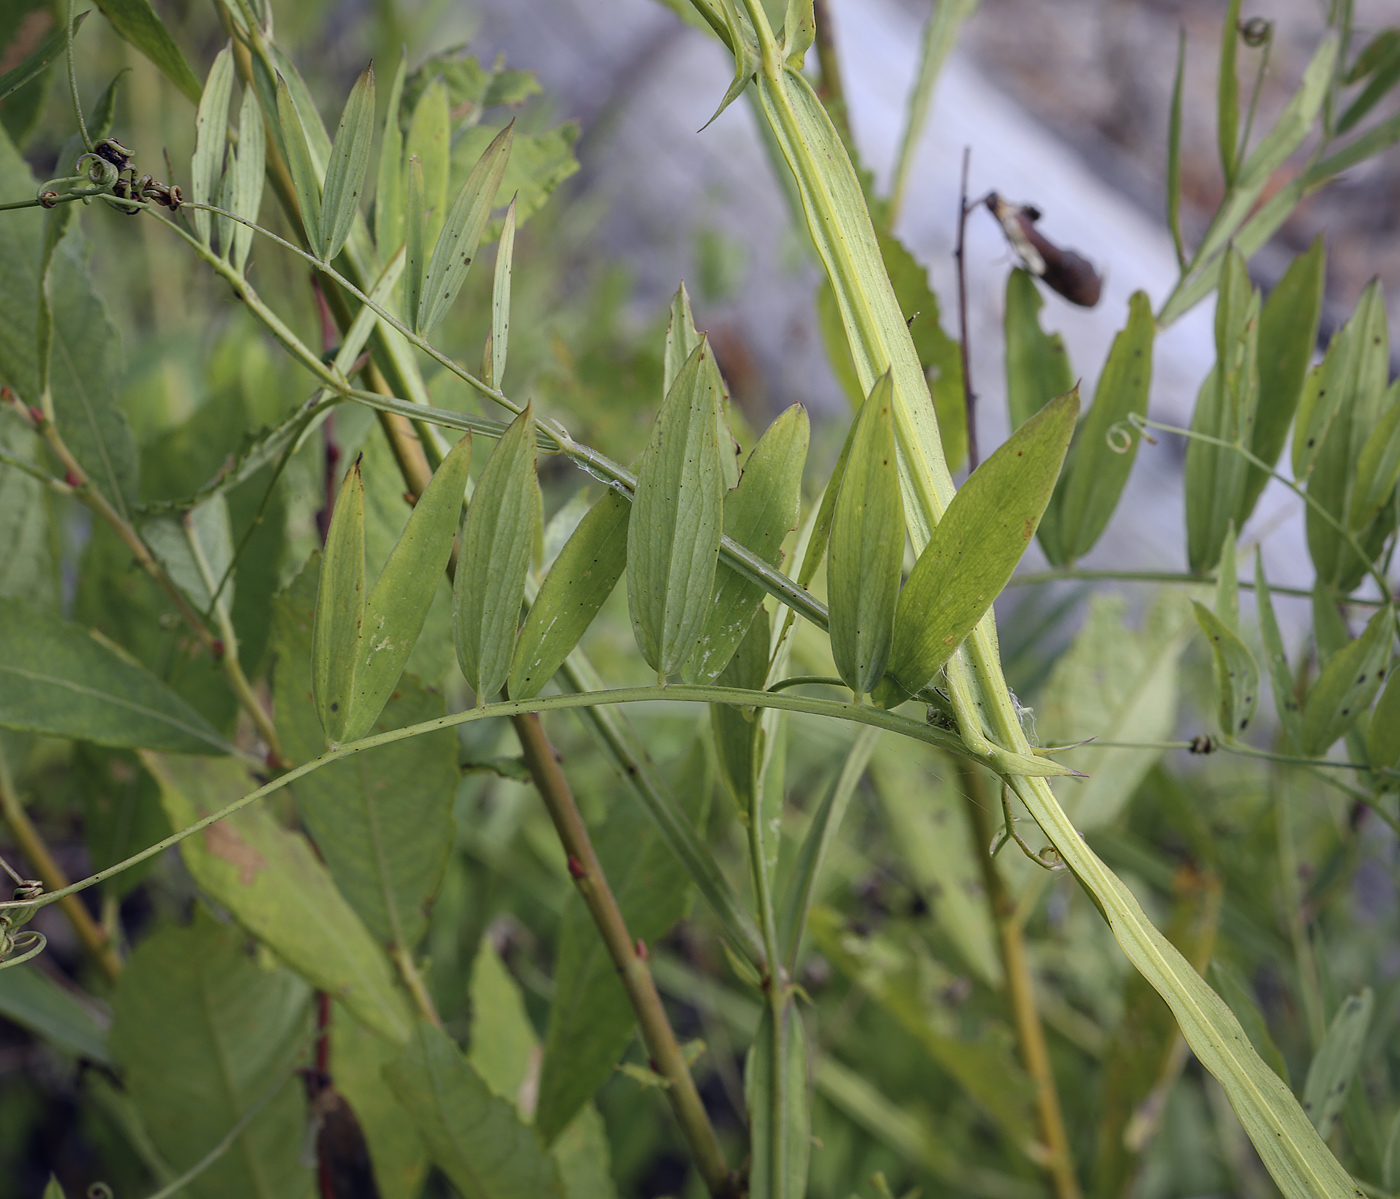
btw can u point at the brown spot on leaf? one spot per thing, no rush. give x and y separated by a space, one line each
224 842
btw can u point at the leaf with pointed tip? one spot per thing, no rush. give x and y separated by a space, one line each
210 137
867 546
1228 94
775 1088
456 244
249 170
340 610
580 580
1280 676
976 546
389 191
399 602
345 174
306 179
498 534
1377 466
681 339
677 518
33 66
1347 685
196 550
136 22
1383 735
1336 1062
1236 675
500 298
415 247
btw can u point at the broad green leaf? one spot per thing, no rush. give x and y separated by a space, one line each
500 298
1227 99
1237 995
758 514
201 1034
43 54
475 1138
389 190
1114 683
429 141
452 255
383 818
867 547
584 1157
306 178
591 1020
36 1002
271 881
1037 367
976 545
1287 335
249 170
1236 675
336 637
1383 735
415 244
1099 462
677 518
345 174
399 601
1280 676
196 550
581 579
503 1040
211 137
780 1120
1347 685
1336 1062
498 533
136 21
1377 466
59 680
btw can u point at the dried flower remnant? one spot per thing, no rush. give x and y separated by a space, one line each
1064 271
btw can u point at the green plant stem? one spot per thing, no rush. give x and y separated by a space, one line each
628 956
1020 987
1034 578
34 848
73 81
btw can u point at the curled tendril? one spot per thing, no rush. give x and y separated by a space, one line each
1139 422
107 170
1048 858
27 945
1119 439
1256 31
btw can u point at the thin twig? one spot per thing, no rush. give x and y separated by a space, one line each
969 396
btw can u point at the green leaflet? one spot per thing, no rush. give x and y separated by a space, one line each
389 190
58 679
48 1009
136 21
539 163
306 178
1347 685
503 1039
340 609
1174 153
196 550
383 818
758 514
429 141
977 544
191 996
867 547
1383 734
498 533
1098 464
1287 334
1227 116
210 138
581 579
1280 676
1037 367
780 1121
1236 675
1377 466
1336 1062
500 298
28 561
349 160
475 1138
415 244
1330 632
462 230
677 518
271 881
249 169
681 339
43 54
54 1189
398 604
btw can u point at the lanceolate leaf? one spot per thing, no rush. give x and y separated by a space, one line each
33 66
452 256
57 679
498 534
1336 1062
429 138
1383 735
137 22
1037 367
345 175
1228 94
677 518
1377 466
398 605
415 248
210 138
388 192
473 1136
977 544
581 579
340 609
249 169
867 547
775 1088
1347 685
758 514
306 179
682 338
1236 675
500 298
1280 676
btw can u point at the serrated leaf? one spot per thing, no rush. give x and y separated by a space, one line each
136 22
775 1090
1098 464
210 138
1383 734
349 160
462 230
383 819
677 518
867 547
1280 676
475 1138
59 680
399 602
389 190
249 169
500 298
1336 1062
498 534
978 543
272 883
340 610
581 579
1347 685
758 514
1236 675
306 178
